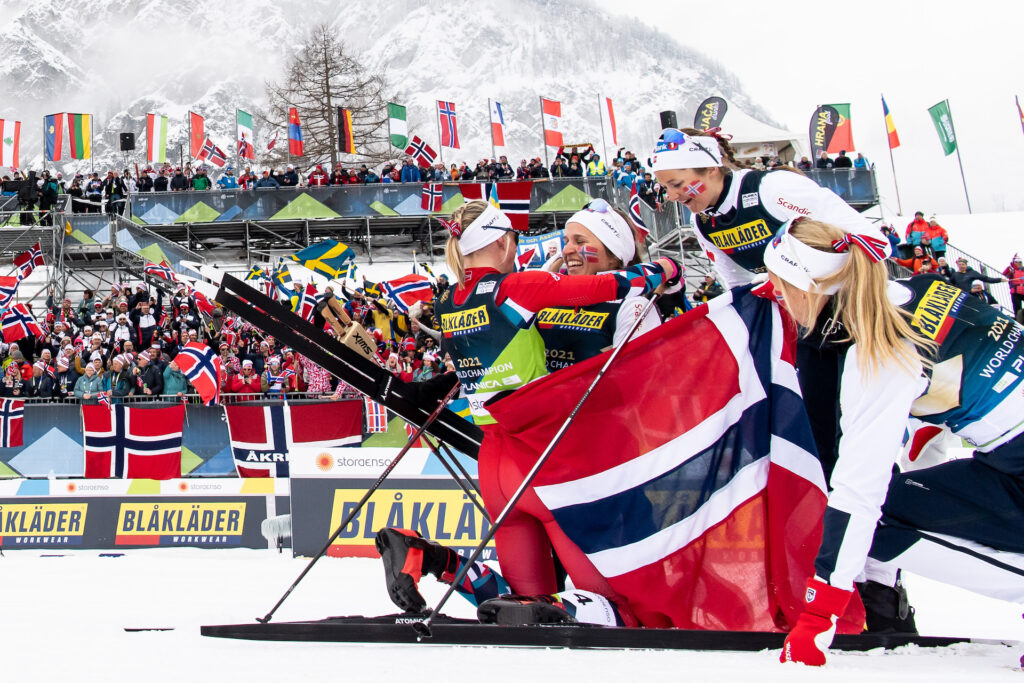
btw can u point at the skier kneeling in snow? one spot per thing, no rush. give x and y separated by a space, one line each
496 352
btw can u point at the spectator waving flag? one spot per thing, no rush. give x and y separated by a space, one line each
407 291
17 323
430 199
421 152
133 443
295 144
201 366
12 418
263 436
162 270
328 257
695 475
27 261
305 303
448 123
634 212
8 288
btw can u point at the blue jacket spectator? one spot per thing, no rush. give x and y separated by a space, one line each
228 180
267 181
410 174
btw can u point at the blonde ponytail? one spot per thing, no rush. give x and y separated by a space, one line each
878 327
464 215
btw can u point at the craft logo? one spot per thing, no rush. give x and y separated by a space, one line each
465 322
445 515
42 524
932 315
571 319
154 523
741 236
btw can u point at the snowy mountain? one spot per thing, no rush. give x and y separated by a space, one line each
120 59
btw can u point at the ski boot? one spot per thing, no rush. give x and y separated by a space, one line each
887 608
407 557
524 610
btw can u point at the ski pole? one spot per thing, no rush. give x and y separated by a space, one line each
366 496
422 628
458 479
458 466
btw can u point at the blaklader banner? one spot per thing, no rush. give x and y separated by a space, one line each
419 495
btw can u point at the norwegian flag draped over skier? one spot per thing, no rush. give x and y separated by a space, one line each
201 366
17 323
162 270
721 487
407 291
430 199
131 442
421 152
263 436
449 126
634 212
28 260
12 419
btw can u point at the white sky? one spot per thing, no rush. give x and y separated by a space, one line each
792 55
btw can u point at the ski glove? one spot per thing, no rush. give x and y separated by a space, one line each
813 633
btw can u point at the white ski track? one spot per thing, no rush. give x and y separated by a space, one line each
63 618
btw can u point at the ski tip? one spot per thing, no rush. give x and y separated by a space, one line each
138 629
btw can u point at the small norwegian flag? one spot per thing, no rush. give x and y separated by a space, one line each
634 213
523 260
376 416
201 366
212 153
162 270
104 399
430 199
12 417
419 150
28 260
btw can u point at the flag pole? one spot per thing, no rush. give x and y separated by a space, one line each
489 110
440 143
899 204
600 116
92 157
189 115
44 145
959 162
238 158
543 142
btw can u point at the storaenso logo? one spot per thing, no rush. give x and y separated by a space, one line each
464 322
42 523
172 523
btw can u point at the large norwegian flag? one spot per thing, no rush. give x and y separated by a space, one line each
12 420
27 261
701 507
421 152
262 436
449 126
133 443
162 270
431 196
514 199
17 322
202 368
551 119
407 291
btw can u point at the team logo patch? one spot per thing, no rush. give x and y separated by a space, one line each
742 236
569 318
486 287
932 314
465 322
750 199
811 594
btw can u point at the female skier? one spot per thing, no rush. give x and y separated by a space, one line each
920 347
488 326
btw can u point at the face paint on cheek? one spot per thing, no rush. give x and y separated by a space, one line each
695 188
588 253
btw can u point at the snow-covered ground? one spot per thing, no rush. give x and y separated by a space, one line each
62 618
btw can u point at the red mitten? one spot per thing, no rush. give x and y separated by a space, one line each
813 633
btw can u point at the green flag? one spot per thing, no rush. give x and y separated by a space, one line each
398 129
944 126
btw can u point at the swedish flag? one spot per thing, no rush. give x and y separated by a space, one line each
426 269
257 273
372 289
329 257
282 278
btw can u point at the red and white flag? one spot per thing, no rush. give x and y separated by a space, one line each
262 436
8 288
305 304
514 198
376 416
608 120
17 323
10 141
422 153
273 141
472 191
551 119
449 125
12 419
431 197
407 291
132 443
201 366
162 270
27 261
212 153
497 125
703 511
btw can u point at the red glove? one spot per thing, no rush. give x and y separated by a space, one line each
813 633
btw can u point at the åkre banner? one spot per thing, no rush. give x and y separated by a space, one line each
419 495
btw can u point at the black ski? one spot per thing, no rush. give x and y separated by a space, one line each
355 369
448 631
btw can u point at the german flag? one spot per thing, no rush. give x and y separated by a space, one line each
890 127
346 140
80 135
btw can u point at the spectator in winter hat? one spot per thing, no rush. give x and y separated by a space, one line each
978 290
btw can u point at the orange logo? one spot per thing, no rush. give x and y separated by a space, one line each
183 486
325 462
71 488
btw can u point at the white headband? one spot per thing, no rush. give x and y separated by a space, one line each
611 229
678 150
800 265
488 227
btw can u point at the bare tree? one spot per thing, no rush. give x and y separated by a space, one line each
320 77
